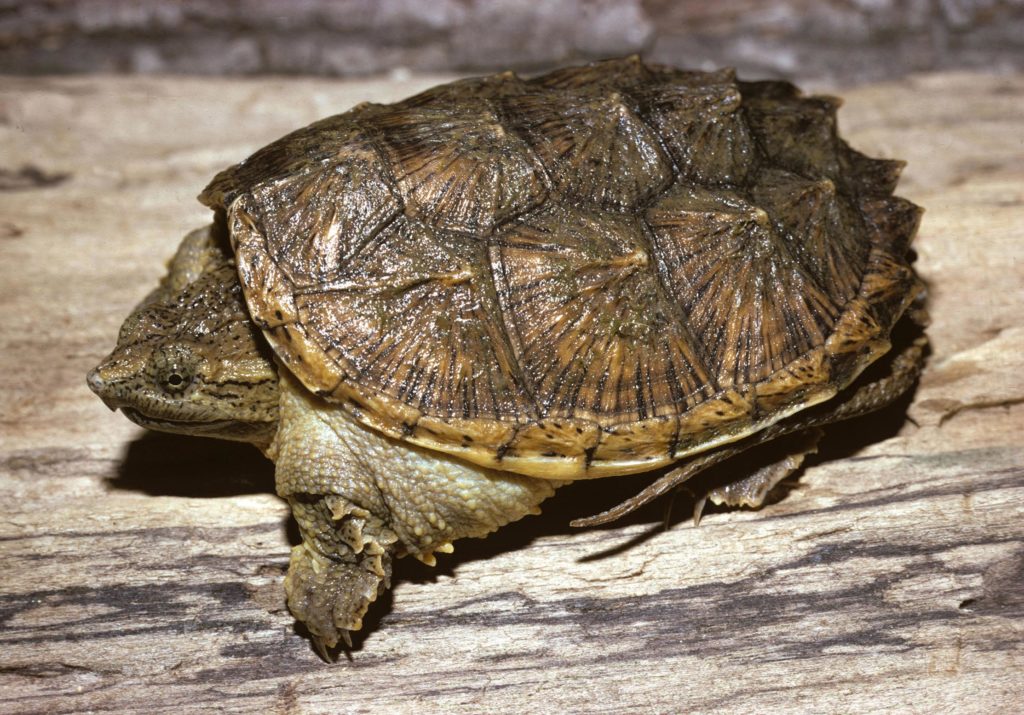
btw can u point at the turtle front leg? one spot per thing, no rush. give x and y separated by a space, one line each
361 499
338 570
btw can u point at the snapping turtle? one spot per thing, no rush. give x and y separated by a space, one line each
431 314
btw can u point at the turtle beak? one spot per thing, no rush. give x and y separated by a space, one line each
100 383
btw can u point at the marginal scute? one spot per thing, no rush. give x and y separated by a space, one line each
730 413
871 177
473 439
569 439
597 271
857 327
890 284
805 380
641 444
892 221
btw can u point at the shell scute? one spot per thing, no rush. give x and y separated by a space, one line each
412 316
751 305
457 167
590 323
495 86
619 73
798 135
595 148
699 117
820 225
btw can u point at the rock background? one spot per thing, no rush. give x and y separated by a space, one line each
835 40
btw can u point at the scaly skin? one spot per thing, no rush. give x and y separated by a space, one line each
188 359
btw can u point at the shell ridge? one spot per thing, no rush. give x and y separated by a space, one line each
584 142
816 221
500 107
737 279
458 168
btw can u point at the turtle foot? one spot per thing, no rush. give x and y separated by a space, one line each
331 597
752 490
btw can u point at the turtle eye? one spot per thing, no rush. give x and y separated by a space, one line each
173 369
177 381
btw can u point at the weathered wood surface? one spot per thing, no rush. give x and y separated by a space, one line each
143 573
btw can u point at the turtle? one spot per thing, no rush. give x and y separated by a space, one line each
434 313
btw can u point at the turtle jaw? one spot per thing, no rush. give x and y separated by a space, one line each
107 387
258 432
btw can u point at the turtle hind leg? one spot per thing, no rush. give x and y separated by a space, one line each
752 490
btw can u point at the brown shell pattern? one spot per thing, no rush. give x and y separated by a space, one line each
597 271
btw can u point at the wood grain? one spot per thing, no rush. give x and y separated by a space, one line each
143 572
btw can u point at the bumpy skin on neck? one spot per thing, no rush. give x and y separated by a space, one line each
188 358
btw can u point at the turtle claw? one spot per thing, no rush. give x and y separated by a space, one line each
698 509
329 653
323 650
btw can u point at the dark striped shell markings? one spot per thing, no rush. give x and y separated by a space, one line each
592 272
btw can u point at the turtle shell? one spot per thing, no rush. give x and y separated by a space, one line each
592 272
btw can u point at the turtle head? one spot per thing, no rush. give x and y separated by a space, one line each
189 360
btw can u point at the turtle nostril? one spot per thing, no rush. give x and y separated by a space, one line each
95 382
101 387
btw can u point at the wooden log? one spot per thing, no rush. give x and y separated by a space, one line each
143 572
838 39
